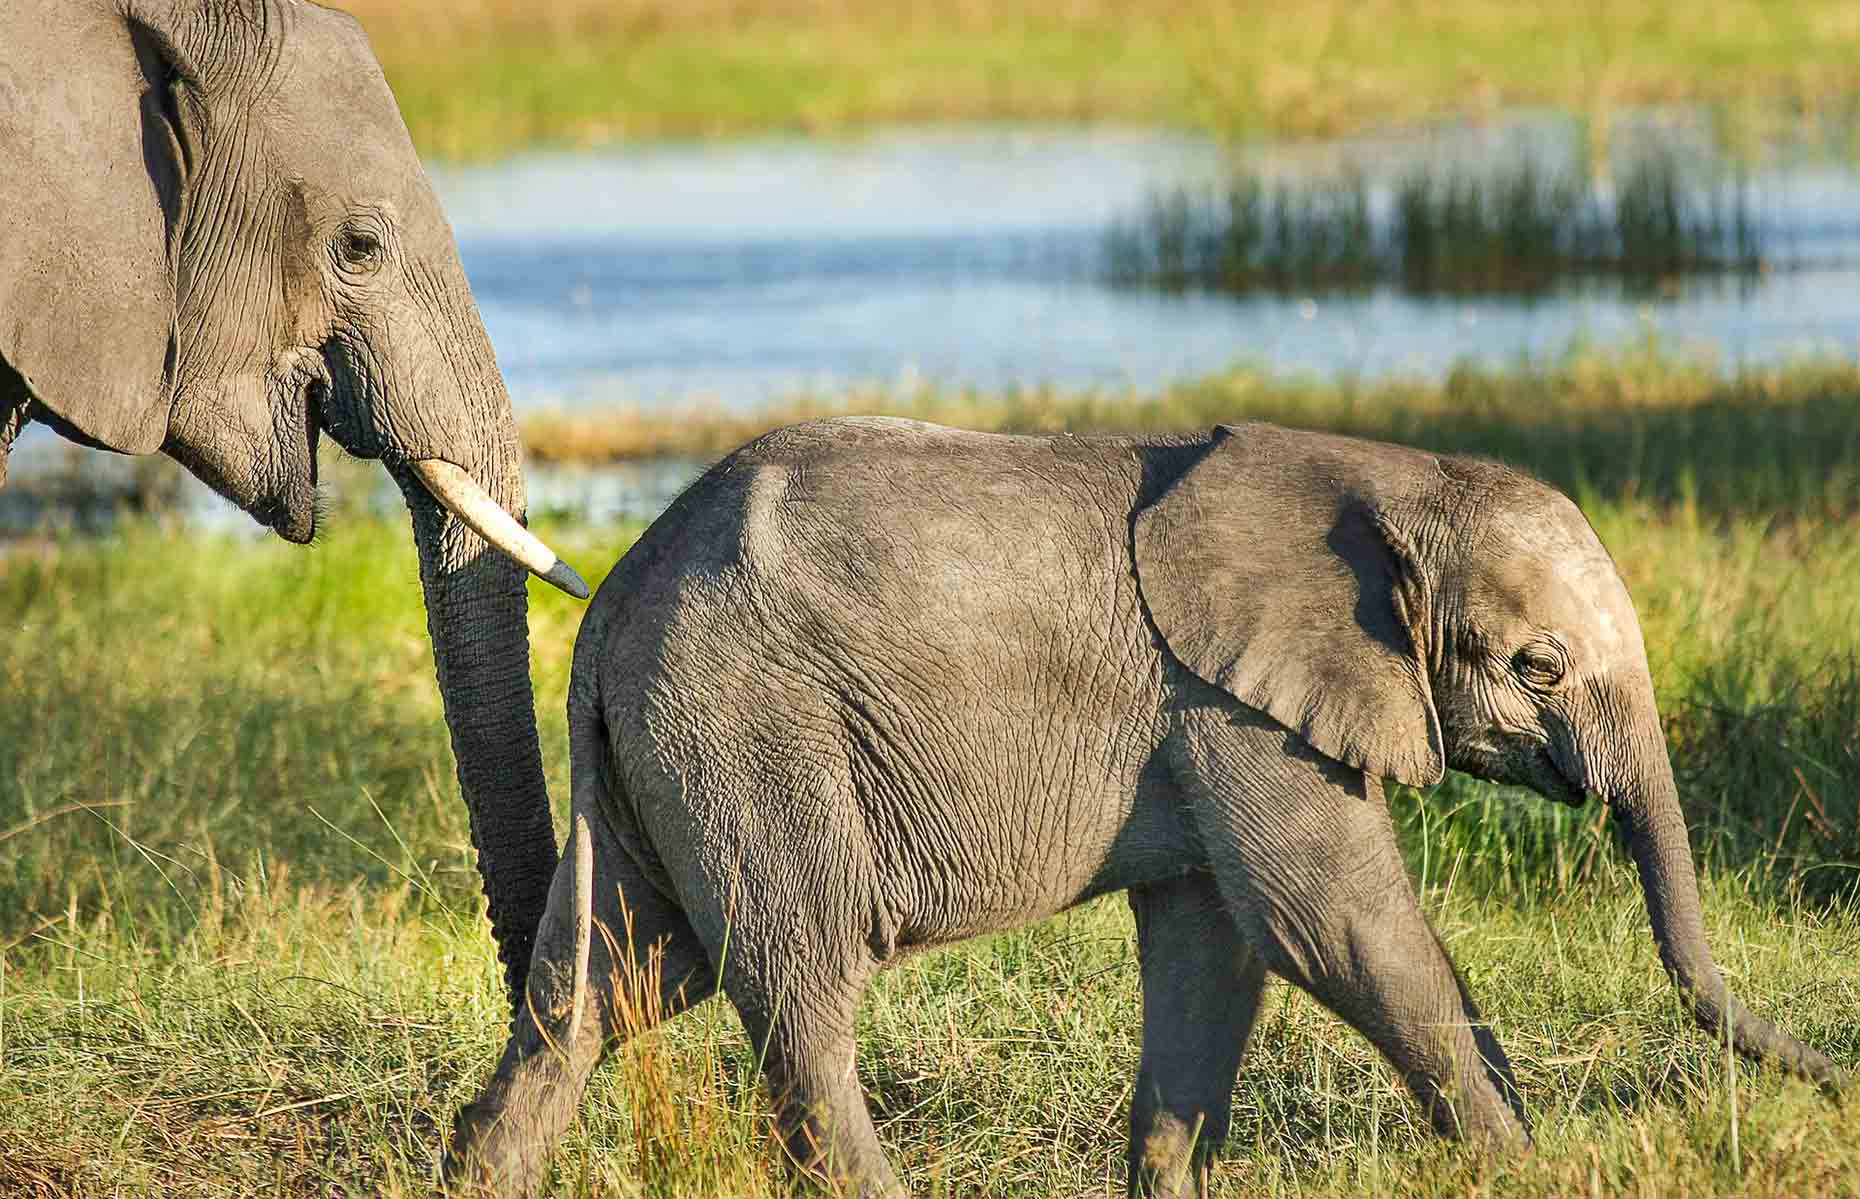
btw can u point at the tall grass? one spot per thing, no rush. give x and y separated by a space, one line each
486 76
241 949
1638 425
1520 231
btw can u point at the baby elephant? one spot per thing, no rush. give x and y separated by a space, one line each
872 686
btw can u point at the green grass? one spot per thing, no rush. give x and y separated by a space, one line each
1639 424
241 951
488 76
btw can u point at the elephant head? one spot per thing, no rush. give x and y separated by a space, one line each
1406 613
221 245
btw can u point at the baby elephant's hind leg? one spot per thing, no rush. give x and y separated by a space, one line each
643 964
803 1027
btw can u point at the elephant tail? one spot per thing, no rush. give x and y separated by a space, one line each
581 847
589 778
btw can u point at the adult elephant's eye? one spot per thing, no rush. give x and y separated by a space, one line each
1539 665
360 250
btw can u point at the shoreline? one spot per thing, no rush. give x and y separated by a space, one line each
1625 426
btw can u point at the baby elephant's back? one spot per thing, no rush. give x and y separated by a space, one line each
935 634
867 528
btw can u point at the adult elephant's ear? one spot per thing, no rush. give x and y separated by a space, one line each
91 185
1272 570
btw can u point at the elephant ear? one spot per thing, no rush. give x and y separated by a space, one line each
1271 570
90 135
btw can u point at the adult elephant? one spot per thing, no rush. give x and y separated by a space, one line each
219 243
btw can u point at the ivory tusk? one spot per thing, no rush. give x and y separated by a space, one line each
583 850
462 497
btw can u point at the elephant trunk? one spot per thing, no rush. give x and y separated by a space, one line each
430 403
477 614
1647 815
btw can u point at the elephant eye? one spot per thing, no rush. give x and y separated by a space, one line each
1539 665
360 250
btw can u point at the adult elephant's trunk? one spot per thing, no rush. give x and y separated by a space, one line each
432 405
422 393
477 613
1645 803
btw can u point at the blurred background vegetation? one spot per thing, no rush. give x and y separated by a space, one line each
481 76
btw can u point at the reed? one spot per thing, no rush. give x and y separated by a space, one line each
1623 426
1522 230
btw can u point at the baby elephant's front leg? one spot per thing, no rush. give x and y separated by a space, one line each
1306 858
613 958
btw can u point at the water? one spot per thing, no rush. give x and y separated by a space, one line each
56 488
746 271
970 258
741 272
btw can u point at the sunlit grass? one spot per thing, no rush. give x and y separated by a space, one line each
486 76
1776 442
241 948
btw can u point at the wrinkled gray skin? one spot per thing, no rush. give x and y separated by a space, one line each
872 686
219 243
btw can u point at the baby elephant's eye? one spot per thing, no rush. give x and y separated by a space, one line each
1539 665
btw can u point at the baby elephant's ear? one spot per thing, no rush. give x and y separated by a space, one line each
1269 569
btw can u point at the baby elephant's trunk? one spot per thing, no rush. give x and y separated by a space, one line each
1645 804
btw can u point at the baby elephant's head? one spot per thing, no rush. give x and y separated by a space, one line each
1536 663
1404 612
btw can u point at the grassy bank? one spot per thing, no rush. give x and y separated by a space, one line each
491 75
1611 426
240 948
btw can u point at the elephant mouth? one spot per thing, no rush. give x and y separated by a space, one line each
292 511
280 491
445 484
1557 783
293 514
1530 764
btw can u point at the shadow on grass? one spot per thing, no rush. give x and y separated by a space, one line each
1774 785
142 805
188 714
